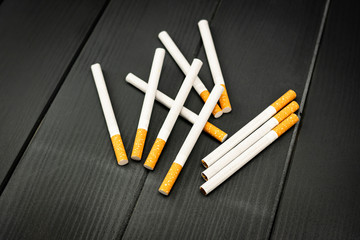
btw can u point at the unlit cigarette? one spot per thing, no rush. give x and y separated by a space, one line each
185 66
148 103
172 116
190 141
248 128
108 111
250 140
168 102
249 154
214 63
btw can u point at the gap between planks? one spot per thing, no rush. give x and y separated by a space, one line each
51 99
196 53
293 142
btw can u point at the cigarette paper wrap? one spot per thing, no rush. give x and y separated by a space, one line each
139 144
119 149
154 154
170 178
286 124
184 65
284 99
217 112
224 101
168 102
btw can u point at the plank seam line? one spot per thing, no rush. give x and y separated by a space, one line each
51 100
297 128
143 180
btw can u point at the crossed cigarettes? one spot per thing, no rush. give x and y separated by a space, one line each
228 157
190 140
172 116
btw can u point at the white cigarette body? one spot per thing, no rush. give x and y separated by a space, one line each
249 154
169 102
148 104
109 114
240 135
214 62
172 116
249 141
185 66
190 140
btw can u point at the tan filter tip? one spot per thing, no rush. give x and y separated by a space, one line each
286 111
224 101
284 100
215 132
286 124
119 149
139 144
217 112
170 178
154 154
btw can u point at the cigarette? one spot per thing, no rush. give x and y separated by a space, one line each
214 63
172 116
108 111
249 154
185 66
168 102
250 140
148 103
190 141
248 128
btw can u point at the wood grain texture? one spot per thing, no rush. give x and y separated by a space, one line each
322 193
68 185
38 42
264 49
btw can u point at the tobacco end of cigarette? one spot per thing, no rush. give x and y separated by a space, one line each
138 144
204 176
204 163
202 21
215 132
170 178
286 124
203 191
217 112
154 154
162 33
119 149
284 99
224 101
286 111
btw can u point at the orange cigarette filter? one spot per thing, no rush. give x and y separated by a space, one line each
286 111
139 144
286 124
170 178
216 132
217 112
224 101
281 102
154 154
119 149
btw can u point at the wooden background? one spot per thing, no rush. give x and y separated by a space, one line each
58 174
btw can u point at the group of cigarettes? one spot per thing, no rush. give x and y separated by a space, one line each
229 156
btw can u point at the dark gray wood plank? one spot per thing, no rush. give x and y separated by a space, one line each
39 40
264 48
68 185
322 193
